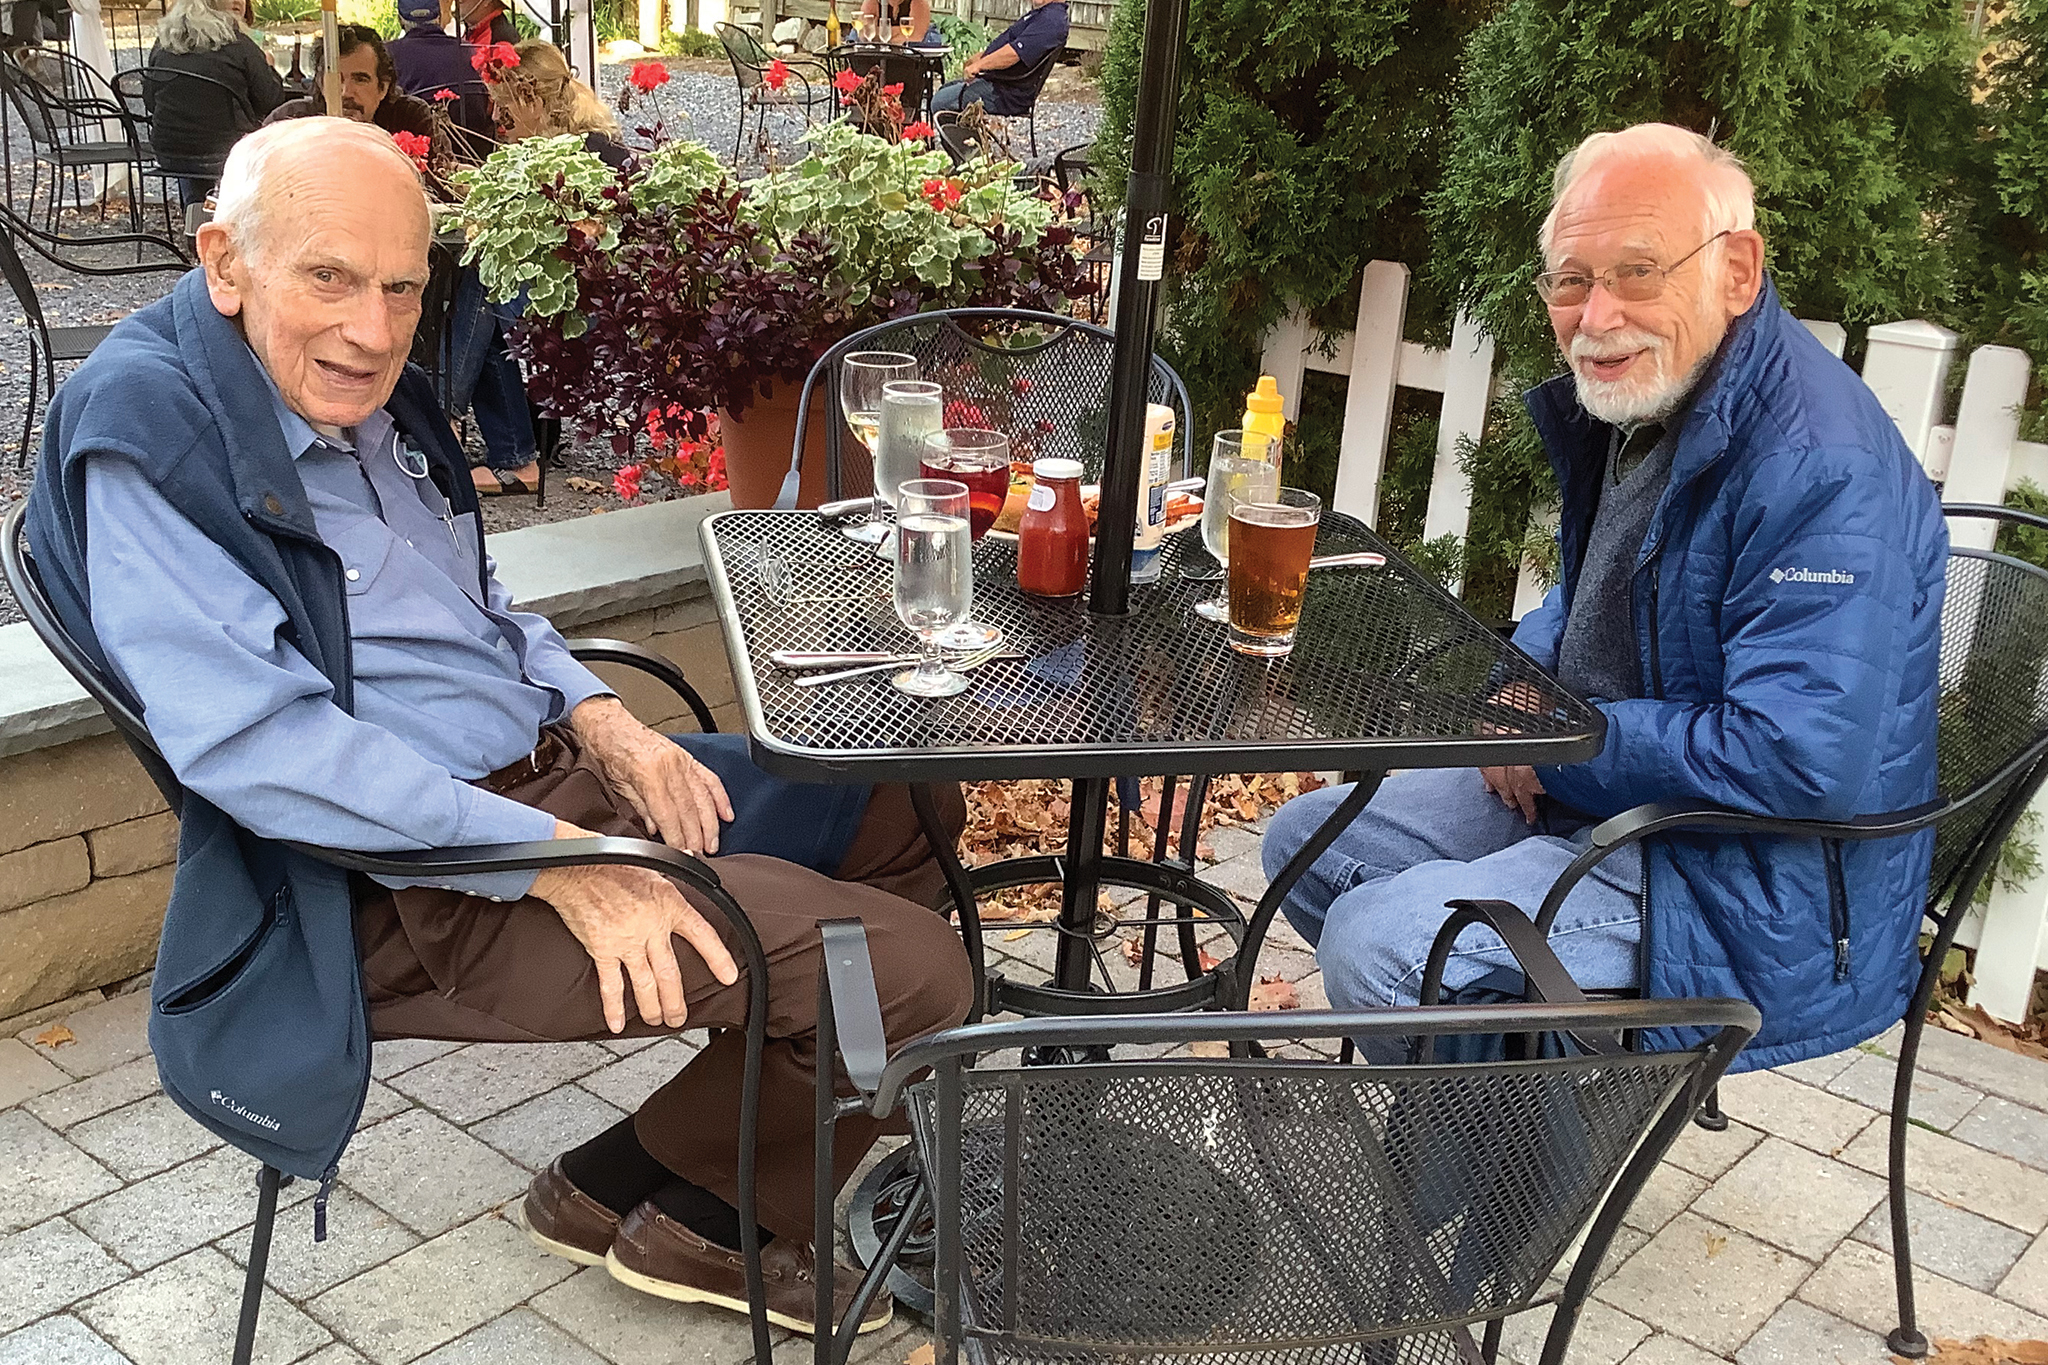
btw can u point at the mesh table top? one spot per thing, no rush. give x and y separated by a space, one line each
1388 671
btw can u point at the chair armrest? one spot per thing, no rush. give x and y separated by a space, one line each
1546 976
849 988
535 855
663 669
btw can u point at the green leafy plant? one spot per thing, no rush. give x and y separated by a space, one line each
690 43
518 210
268 12
965 37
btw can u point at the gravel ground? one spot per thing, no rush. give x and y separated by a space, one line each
700 101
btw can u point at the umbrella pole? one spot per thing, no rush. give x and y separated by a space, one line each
1145 228
330 67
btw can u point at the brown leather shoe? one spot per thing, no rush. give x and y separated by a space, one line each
657 1255
563 1219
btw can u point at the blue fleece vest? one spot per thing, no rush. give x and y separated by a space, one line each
257 1015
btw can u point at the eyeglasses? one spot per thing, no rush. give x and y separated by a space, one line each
1636 282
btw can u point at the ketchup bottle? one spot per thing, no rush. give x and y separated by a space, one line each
1052 538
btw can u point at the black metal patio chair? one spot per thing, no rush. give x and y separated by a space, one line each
1240 1210
143 89
1992 757
47 345
76 124
1030 81
18 567
808 88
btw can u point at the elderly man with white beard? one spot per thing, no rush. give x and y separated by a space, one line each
1751 576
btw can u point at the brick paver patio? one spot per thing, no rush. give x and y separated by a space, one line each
122 1225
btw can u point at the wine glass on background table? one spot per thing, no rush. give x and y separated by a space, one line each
1234 477
980 460
862 376
934 586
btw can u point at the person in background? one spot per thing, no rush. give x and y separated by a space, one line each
485 21
195 122
895 12
428 59
990 78
369 87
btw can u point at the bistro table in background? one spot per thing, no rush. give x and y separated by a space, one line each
1389 671
920 67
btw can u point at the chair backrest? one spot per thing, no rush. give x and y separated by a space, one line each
1030 79
20 570
1993 709
1274 1210
201 102
1040 378
99 253
30 102
748 57
23 288
72 101
959 140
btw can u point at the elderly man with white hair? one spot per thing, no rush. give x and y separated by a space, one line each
251 511
1751 582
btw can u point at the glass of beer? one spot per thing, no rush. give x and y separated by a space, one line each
1235 476
1270 547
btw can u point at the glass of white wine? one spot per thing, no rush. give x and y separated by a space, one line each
1235 477
861 377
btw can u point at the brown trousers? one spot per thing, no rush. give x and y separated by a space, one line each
438 964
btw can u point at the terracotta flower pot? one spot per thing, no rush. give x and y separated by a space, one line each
758 445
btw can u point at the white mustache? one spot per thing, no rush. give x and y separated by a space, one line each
1615 343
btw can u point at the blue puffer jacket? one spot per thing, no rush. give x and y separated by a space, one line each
1787 609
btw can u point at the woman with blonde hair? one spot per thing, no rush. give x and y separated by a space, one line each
209 84
541 97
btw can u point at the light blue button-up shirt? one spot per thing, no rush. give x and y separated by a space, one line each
450 682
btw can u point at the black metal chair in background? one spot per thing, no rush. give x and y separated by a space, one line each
1992 757
808 88
76 126
1255 1208
1072 169
19 570
1029 80
47 345
142 89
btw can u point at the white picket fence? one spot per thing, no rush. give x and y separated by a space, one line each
1977 457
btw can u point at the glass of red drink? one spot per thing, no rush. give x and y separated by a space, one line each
981 460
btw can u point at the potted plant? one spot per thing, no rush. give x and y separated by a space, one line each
665 292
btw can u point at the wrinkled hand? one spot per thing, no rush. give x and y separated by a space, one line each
1516 787
677 797
625 918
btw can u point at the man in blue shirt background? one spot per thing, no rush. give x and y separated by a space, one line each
993 78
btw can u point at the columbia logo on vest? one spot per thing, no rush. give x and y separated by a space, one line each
228 1103
1812 576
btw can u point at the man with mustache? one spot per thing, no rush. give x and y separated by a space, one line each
369 87
1751 576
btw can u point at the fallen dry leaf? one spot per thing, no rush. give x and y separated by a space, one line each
1989 1351
1272 993
1016 934
1716 1244
1207 959
55 1036
578 484
921 1356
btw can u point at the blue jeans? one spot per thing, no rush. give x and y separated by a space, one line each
483 377
957 95
1371 905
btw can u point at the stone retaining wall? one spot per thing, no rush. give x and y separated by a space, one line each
87 843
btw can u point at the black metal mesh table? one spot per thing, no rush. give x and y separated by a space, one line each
1389 672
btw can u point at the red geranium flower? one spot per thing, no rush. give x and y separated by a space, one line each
626 481
941 194
893 91
846 82
778 75
444 95
918 129
648 77
414 146
491 60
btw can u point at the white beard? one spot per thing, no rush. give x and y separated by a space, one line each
1649 393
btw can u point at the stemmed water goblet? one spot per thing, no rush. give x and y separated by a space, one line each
934 585
981 460
1234 477
862 376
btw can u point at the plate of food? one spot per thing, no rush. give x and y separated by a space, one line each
1182 509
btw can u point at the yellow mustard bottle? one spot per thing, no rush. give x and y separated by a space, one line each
1263 416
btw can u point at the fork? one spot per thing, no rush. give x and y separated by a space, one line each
963 664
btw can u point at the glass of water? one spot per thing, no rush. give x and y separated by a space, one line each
911 409
1234 477
862 376
934 577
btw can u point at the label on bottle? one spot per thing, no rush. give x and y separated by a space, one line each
1041 499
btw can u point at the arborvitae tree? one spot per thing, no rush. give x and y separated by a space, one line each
1309 134
2008 299
1853 116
